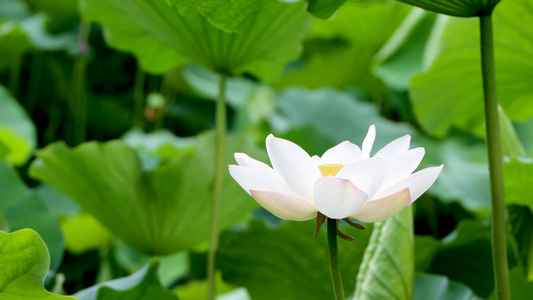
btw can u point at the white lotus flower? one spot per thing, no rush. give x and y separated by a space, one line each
344 182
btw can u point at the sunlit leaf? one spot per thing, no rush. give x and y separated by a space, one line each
17 131
457 8
257 257
519 181
142 285
436 287
161 211
448 94
388 266
25 261
23 208
228 15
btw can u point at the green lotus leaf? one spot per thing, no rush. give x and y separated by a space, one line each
156 212
519 181
324 8
447 94
268 39
14 43
17 131
457 8
23 208
390 255
25 261
339 51
227 15
142 285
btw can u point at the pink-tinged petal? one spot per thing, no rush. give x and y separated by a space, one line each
294 165
342 154
402 166
285 206
337 198
368 142
244 160
256 179
418 183
366 174
384 208
395 147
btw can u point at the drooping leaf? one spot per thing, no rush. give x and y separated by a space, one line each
62 14
25 261
519 181
457 8
143 285
437 287
521 220
230 15
402 55
324 8
257 257
156 33
17 131
448 96
388 266
23 208
161 211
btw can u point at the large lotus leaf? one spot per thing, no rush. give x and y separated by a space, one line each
14 43
448 94
17 131
229 15
161 211
156 33
437 287
457 8
142 285
351 38
287 262
521 220
25 261
23 208
388 267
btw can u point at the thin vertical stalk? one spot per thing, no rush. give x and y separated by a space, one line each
14 76
78 97
499 244
138 97
334 259
220 148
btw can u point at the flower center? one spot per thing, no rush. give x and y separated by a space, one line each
329 170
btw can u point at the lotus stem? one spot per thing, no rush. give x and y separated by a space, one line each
78 96
220 148
334 259
499 244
